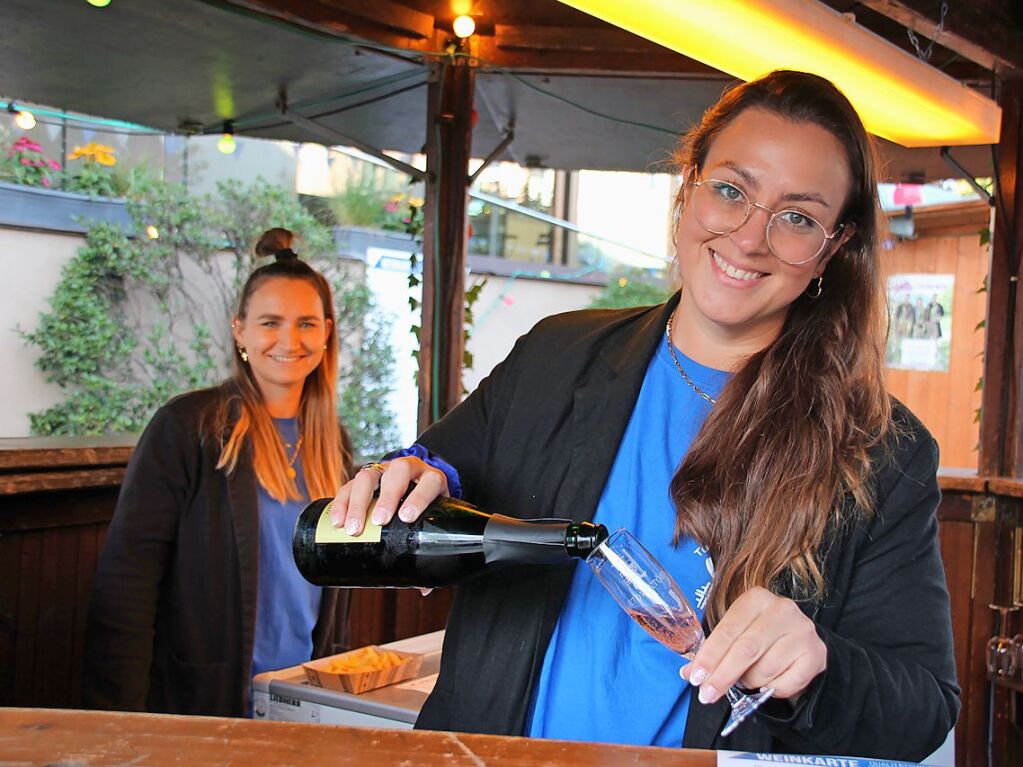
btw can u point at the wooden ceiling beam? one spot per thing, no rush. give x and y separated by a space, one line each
1001 52
583 50
379 21
603 39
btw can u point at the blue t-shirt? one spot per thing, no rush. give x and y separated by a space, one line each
287 605
604 679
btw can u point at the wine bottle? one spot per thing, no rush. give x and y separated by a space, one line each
452 540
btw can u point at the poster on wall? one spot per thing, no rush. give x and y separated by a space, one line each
921 321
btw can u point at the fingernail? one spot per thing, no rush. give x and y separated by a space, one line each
379 516
697 677
682 673
353 527
407 514
708 694
335 520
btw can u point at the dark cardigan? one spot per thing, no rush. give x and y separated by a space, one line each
171 624
538 438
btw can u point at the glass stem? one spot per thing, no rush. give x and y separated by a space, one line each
733 695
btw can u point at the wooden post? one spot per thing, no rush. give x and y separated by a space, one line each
1000 440
445 235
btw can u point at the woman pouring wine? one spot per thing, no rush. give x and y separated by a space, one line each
743 432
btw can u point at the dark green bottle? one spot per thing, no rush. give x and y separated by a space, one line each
452 540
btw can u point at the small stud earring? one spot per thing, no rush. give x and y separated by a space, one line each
243 354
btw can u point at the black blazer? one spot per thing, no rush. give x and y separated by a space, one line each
172 616
538 438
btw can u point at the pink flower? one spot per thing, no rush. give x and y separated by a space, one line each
54 165
25 161
391 207
45 181
27 144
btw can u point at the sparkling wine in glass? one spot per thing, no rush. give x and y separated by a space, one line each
646 591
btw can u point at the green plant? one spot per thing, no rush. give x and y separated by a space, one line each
412 224
23 162
135 320
93 172
633 288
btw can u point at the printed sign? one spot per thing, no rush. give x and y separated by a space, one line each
921 321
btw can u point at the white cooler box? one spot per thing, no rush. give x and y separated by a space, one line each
286 696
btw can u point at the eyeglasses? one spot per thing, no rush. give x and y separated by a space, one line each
793 237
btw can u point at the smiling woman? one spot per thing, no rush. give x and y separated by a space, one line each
196 589
742 432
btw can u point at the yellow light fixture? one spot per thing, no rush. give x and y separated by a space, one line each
227 144
897 95
463 26
98 3
24 119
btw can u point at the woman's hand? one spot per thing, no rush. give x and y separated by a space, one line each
393 478
763 640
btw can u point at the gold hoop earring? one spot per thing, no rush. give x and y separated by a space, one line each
243 354
820 287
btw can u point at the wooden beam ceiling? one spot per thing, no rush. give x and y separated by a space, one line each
985 32
977 38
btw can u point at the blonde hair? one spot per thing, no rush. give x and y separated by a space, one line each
242 412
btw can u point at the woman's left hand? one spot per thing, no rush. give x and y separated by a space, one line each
762 640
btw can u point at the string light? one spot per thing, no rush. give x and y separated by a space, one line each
463 26
227 144
22 117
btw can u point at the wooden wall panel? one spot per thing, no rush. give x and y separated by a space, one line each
969 568
947 401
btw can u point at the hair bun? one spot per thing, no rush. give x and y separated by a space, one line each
285 254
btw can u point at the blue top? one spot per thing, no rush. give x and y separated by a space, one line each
287 606
604 678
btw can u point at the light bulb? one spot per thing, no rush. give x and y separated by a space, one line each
152 232
98 3
463 26
227 144
25 119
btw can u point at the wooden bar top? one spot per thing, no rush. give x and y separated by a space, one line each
36 736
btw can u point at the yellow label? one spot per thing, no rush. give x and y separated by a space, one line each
327 533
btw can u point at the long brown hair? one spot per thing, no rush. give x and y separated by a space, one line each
242 408
788 440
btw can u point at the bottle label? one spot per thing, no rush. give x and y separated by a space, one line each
327 533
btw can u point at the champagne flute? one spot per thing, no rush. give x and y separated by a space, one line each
650 596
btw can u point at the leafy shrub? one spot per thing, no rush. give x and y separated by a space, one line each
635 287
135 320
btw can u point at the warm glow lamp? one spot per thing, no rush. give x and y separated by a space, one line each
25 119
897 95
463 26
99 3
227 144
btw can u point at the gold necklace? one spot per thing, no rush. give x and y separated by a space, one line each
294 456
686 378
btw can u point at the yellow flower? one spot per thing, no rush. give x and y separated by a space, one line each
415 202
101 153
397 197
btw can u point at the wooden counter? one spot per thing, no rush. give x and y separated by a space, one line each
34 736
